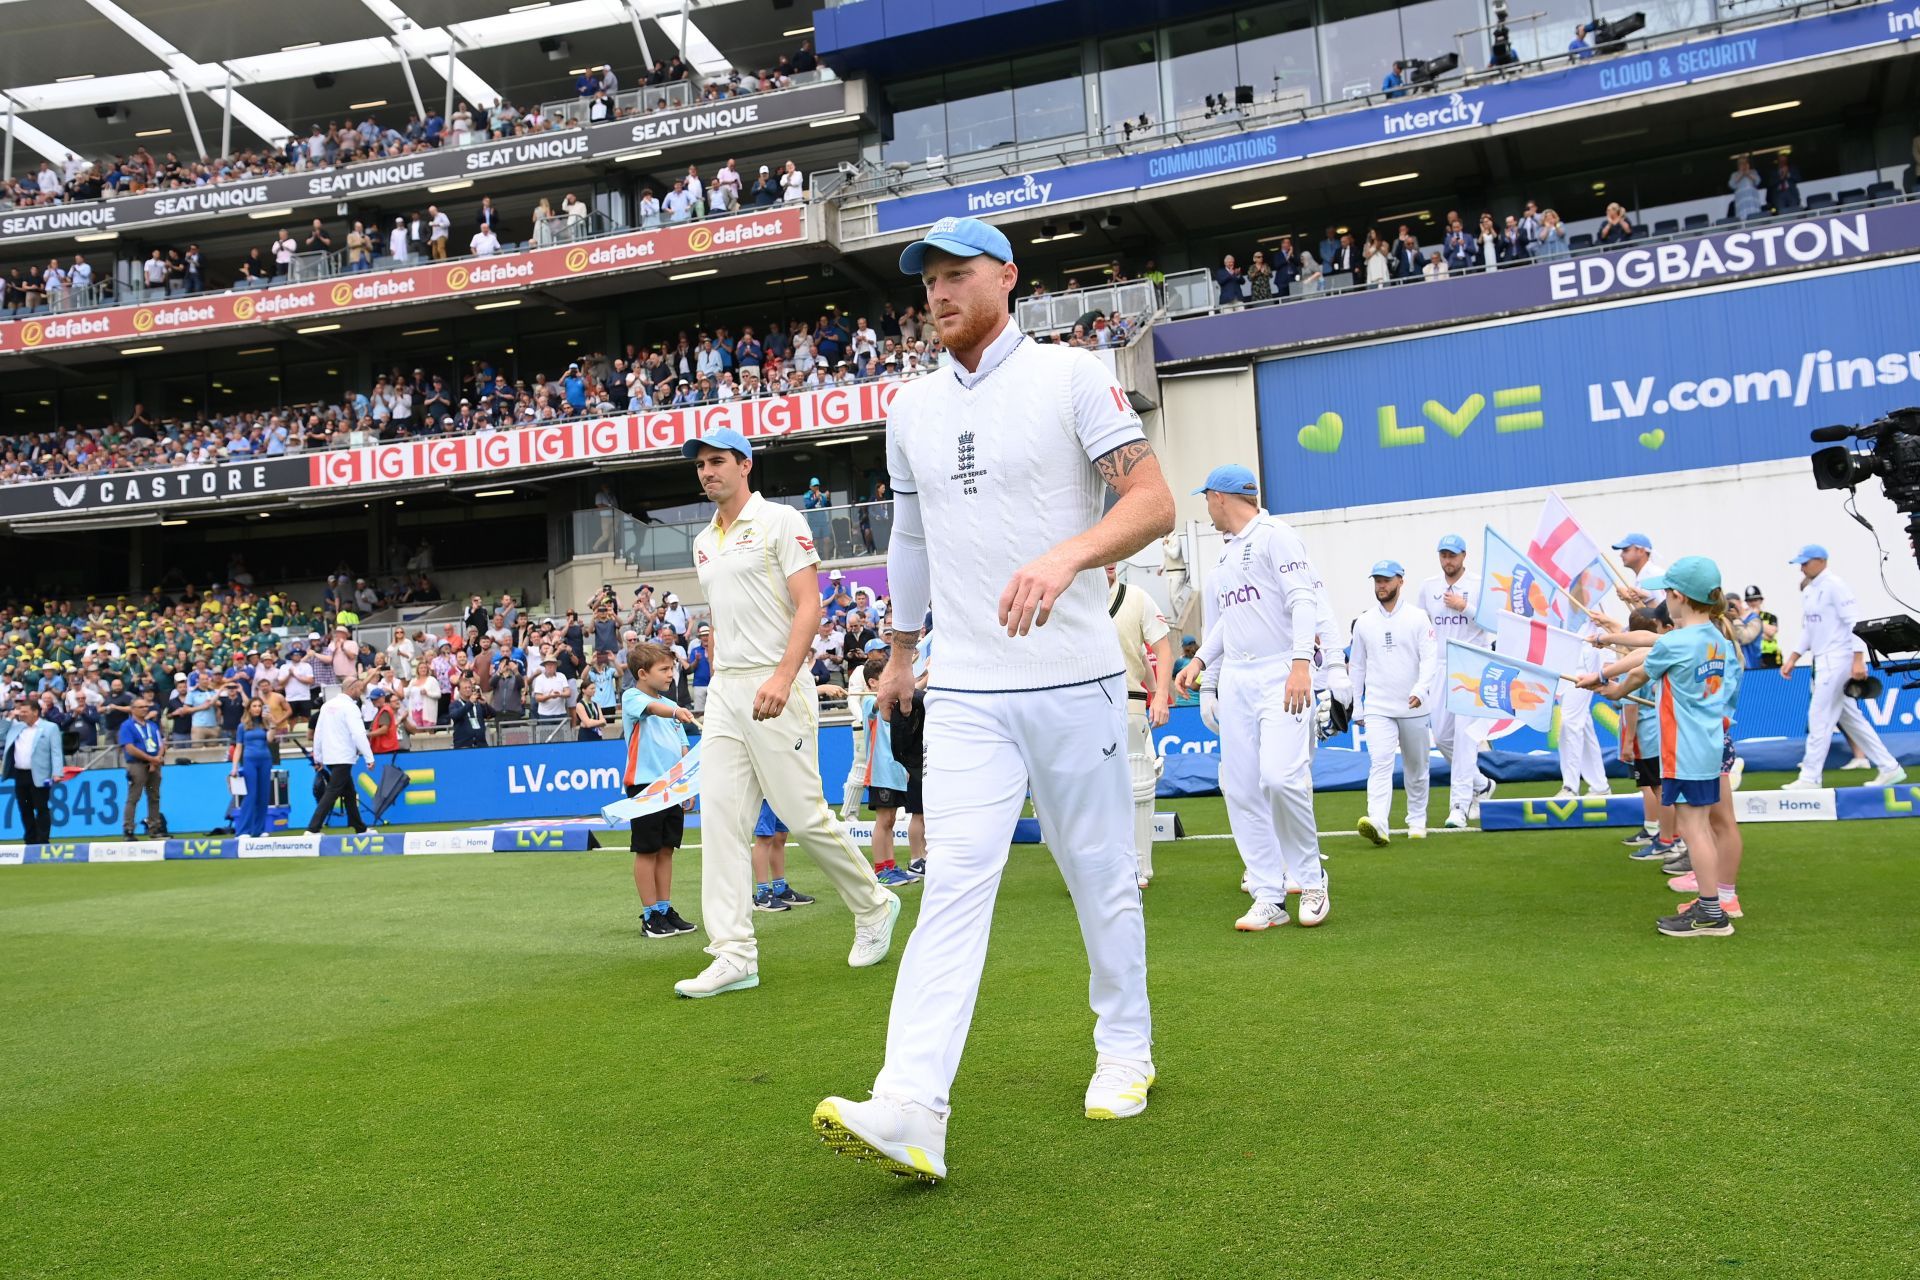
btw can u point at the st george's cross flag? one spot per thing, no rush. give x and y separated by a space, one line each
1559 651
1568 554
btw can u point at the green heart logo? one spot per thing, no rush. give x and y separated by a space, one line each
1324 435
1653 439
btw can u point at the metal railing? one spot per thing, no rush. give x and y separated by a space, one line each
846 532
1057 312
1196 292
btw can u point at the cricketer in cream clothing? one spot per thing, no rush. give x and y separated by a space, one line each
757 565
1142 629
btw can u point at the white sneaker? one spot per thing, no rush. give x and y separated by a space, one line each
1417 833
1457 819
1292 885
1858 762
1245 887
718 978
871 942
1118 1090
1567 793
903 1138
1262 915
1891 776
1143 881
1313 907
1801 784
1736 773
1374 832
1600 792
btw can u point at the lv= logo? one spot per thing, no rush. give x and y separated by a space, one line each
1324 435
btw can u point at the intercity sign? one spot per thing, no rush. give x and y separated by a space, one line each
523 453
700 123
778 225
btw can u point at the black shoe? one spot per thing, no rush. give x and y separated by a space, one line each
918 866
680 923
1694 922
793 897
1639 839
1678 865
657 926
763 900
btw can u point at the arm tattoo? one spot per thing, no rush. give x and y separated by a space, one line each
904 641
1115 464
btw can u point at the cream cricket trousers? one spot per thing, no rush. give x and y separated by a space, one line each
983 752
743 761
1409 737
1827 710
1266 777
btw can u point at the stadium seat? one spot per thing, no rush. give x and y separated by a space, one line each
1728 222
1640 232
1696 221
1820 200
1582 241
1666 227
1853 195
1882 191
1787 201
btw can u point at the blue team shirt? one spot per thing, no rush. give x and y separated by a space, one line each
142 734
882 769
1646 724
1699 676
654 743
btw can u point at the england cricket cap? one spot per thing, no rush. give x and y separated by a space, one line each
1387 569
1230 478
1694 577
720 438
1453 542
961 237
1812 551
1639 540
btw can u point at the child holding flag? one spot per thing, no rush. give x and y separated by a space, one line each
651 721
1640 736
1697 674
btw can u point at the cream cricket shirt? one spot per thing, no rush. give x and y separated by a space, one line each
1140 625
744 572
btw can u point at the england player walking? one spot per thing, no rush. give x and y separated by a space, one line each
1450 598
1263 610
1393 671
758 566
1828 611
1142 629
997 464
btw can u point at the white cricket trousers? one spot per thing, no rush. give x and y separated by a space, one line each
1409 737
1454 736
743 761
1266 775
1830 676
1580 754
983 751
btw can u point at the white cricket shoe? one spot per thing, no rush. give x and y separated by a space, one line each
1457 819
1858 762
1262 915
718 978
1292 885
1801 784
1603 792
1313 907
1245 886
1417 833
904 1138
1484 793
871 942
1143 881
1118 1089
1375 832
1734 774
1567 793
1891 776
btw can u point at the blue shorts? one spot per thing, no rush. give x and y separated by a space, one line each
769 824
1702 793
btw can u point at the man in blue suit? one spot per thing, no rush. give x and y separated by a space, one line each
34 761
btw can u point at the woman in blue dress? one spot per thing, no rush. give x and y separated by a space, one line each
253 762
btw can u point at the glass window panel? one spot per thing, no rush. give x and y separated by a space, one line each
1049 100
979 109
1129 82
1552 33
1201 61
1359 48
919 120
1276 50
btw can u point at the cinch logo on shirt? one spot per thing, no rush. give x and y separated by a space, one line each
1239 596
1291 566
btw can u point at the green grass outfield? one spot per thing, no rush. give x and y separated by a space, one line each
1485 1064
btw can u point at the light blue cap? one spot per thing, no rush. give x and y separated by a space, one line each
1453 542
1812 551
1231 478
961 237
1386 569
720 438
1639 540
874 646
1694 577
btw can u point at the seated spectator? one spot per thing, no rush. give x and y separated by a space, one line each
1436 268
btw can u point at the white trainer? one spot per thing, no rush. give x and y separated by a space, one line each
718 978
904 1138
1292 885
1857 763
1262 915
1601 793
1801 784
1375 832
1313 907
871 942
1566 793
1118 1089
1143 881
1891 776
1417 833
1736 773
1457 819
